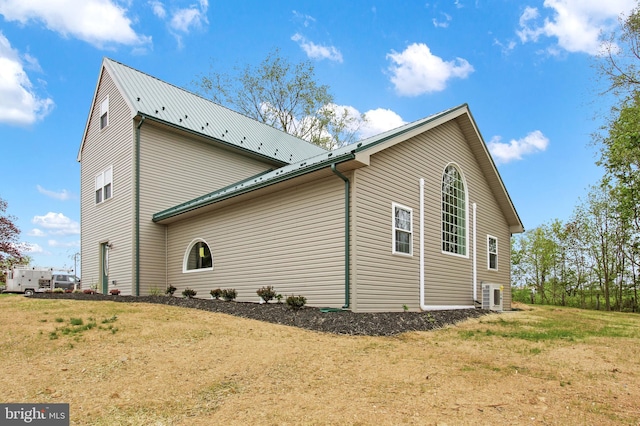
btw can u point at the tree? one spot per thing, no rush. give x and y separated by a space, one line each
534 256
621 56
284 96
620 141
9 233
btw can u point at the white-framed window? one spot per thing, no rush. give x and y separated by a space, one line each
492 253
402 230
197 257
104 185
104 113
454 212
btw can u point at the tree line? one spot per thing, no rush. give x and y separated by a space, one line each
593 259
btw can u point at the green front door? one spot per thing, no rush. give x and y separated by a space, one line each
104 266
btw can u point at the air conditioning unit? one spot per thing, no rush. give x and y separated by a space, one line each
492 297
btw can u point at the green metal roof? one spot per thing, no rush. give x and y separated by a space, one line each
156 99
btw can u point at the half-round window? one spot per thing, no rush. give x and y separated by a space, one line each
198 257
454 212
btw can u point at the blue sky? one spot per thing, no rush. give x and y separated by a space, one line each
526 69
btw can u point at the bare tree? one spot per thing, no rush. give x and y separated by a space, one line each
284 96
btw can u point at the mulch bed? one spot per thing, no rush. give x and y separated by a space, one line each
340 322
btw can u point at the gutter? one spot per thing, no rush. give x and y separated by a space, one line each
137 203
347 223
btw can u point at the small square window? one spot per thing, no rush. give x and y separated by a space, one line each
402 230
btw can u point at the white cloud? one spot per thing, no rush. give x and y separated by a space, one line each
56 243
417 71
379 120
194 16
35 232
60 195
158 9
444 23
31 248
515 149
576 24
506 48
306 19
57 224
98 22
317 51
19 104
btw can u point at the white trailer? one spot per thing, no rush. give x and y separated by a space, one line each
28 280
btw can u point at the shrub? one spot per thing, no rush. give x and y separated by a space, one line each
229 294
170 290
155 291
279 298
58 290
88 291
189 293
266 293
216 293
77 290
296 302
114 292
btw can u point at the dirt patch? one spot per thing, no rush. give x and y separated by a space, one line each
336 322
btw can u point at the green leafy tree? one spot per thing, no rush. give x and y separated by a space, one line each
534 255
285 96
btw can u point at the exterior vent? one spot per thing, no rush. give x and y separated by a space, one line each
492 297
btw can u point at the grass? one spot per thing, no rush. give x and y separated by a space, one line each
171 366
555 324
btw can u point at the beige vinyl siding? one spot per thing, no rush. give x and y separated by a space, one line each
490 222
292 239
386 281
175 168
111 220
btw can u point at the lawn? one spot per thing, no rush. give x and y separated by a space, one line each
144 364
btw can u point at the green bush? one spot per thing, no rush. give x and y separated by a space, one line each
229 294
216 293
266 293
189 293
58 290
296 302
170 290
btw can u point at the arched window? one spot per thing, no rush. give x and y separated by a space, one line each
198 257
454 212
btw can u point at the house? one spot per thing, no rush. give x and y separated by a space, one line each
178 190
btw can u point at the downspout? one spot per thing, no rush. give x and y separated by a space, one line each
422 305
475 258
347 196
137 202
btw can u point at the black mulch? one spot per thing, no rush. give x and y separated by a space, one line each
340 322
